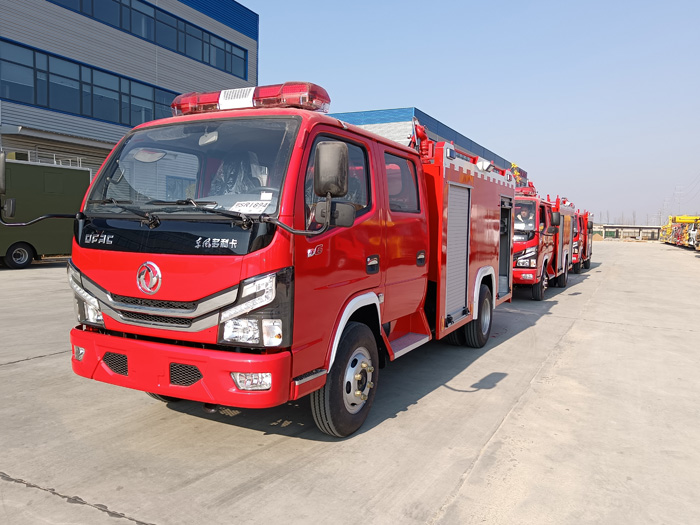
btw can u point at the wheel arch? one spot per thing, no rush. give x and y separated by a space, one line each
363 309
485 275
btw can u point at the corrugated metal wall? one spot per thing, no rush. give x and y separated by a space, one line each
53 28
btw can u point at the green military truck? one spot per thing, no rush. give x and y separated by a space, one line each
31 190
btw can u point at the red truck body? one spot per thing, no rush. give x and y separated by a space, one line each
253 297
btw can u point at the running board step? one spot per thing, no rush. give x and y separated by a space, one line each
408 342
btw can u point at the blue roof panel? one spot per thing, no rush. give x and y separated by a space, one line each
386 116
229 13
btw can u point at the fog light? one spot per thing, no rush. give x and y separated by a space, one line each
242 331
78 353
272 332
527 276
252 381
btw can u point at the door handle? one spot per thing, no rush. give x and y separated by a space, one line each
420 258
372 264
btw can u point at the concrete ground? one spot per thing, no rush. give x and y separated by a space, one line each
583 408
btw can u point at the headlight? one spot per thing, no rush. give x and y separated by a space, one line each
526 258
262 315
87 307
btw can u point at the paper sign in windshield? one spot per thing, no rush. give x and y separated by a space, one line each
250 206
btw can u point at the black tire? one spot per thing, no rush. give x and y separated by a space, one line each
458 337
539 288
336 408
479 330
587 264
577 267
563 277
19 256
164 399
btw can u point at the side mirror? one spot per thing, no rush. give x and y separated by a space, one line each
590 226
2 173
331 169
342 214
556 218
9 208
552 230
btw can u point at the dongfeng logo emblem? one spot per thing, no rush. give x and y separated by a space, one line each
148 278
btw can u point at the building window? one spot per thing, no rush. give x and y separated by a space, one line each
161 28
47 81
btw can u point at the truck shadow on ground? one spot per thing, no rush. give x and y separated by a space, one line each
404 382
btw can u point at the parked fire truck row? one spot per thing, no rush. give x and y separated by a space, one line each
251 250
551 237
681 230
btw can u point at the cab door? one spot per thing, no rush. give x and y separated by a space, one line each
405 264
339 264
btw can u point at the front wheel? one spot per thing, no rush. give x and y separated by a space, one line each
564 276
341 406
479 329
19 256
539 288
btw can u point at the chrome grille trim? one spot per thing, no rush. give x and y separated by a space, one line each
204 314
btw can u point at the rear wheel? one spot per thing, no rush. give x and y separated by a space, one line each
587 264
478 330
341 406
164 399
564 276
539 288
577 267
19 256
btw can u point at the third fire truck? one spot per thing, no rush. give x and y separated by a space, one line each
582 246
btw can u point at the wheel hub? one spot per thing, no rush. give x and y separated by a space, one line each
357 380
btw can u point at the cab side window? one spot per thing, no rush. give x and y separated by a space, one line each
358 182
402 184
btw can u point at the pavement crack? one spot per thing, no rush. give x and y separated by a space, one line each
72 499
35 357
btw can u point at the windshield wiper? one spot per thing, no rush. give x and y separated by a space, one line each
246 221
181 202
152 220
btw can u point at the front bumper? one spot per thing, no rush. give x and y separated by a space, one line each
525 276
180 371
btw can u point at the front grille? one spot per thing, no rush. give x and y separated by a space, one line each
155 319
184 375
117 363
154 303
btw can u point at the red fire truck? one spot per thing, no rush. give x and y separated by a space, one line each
251 250
543 234
582 246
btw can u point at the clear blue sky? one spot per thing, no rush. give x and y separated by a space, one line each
598 100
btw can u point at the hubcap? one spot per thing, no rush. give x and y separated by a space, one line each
357 380
20 256
486 317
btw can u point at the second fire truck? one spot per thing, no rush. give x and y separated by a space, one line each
543 239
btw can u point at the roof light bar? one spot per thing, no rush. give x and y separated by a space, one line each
302 95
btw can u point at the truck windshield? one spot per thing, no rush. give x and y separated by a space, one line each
235 165
524 217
